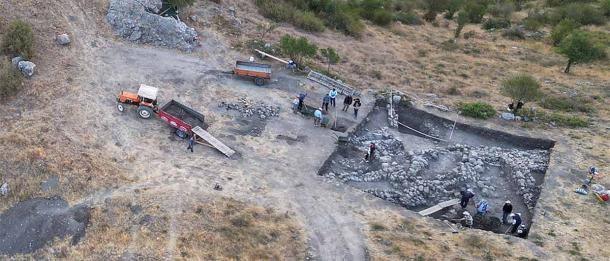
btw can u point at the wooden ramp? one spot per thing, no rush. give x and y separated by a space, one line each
213 141
439 206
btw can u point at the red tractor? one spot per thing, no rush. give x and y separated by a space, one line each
145 99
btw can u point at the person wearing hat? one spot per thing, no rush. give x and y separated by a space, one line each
516 222
482 207
466 196
466 219
506 210
317 117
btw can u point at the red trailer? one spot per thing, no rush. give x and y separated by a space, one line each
181 117
260 72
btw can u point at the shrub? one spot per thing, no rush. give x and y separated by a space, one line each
532 24
476 10
346 21
584 14
297 48
479 110
578 47
563 29
562 103
449 45
308 21
10 79
462 19
433 7
278 11
469 34
567 121
604 6
502 10
514 33
382 17
452 7
494 23
553 3
521 87
409 18
18 40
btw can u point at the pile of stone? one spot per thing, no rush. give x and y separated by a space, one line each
413 182
138 21
248 109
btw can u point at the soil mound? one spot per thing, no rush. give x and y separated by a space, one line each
30 224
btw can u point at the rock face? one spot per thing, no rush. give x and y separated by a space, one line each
26 68
137 21
29 225
63 39
249 109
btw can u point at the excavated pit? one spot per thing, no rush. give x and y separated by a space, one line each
418 172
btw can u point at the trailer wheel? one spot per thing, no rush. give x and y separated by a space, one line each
259 81
120 107
144 112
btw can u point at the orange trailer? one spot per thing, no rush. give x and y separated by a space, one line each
260 72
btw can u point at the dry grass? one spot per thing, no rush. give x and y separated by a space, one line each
147 227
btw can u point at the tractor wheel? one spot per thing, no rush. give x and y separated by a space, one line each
144 112
259 81
120 107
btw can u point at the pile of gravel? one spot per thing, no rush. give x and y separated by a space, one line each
137 21
248 109
412 182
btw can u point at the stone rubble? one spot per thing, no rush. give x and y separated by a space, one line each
26 68
63 39
248 109
412 182
138 21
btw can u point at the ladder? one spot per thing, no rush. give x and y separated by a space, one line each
198 131
439 206
331 83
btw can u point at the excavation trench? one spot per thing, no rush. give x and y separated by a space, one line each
419 171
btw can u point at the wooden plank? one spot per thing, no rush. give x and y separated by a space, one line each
439 206
213 141
271 56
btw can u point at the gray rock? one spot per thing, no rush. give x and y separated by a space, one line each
4 189
27 68
16 61
63 39
507 116
137 21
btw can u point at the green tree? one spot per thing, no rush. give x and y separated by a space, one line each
476 10
180 3
297 48
563 29
452 7
332 57
521 88
434 7
579 48
18 40
462 19
604 5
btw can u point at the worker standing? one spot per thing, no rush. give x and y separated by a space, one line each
295 104
347 102
325 102
506 210
466 196
370 155
516 222
333 97
317 117
191 143
357 105
301 100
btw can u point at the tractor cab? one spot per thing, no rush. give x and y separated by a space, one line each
145 99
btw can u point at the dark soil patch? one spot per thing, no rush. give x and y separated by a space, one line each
29 225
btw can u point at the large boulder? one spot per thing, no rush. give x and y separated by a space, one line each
27 68
138 21
16 61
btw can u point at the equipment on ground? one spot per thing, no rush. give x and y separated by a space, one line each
331 83
207 137
145 100
260 72
439 206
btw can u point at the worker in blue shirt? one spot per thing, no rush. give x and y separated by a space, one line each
317 117
333 97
